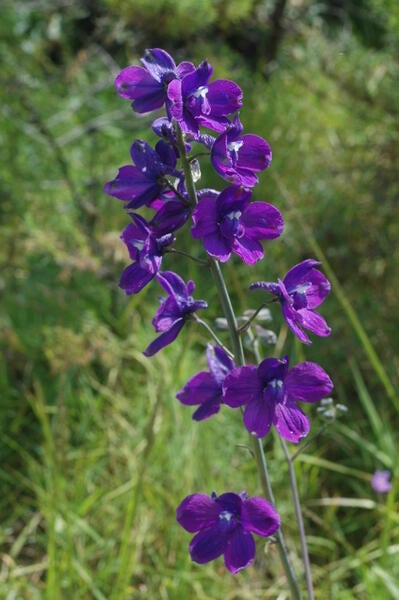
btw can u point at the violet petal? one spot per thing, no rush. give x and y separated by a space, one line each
259 516
291 423
197 511
207 545
240 550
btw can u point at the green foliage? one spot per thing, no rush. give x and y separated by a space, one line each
96 452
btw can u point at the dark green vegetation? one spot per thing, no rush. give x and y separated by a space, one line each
95 451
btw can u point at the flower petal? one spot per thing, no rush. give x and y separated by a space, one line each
291 318
259 516
267 286
165 339
134 278
241 386
219 363
254 154
171 216
259 413
135 235
197 511
249 250
175 100
272 368
224 97
167 314
291 423
240 550
206 410
262 221
130 184
307 382
205 218
135 83
159 64
314 322
197 78
233 198
217 246
207 545
305 274
173 284
199 389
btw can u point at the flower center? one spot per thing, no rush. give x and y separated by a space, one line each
226 519
233 148
299 296
230 226
201 96
201 92
276 387
138 244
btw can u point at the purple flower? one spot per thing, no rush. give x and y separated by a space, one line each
302 290
147 85
192 101
174 311
228 222
146 247
380 482
146 181
270 393
225 525
237 157
205 388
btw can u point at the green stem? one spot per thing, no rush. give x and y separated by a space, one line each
212 334
298 510
247 325
299 518
203 263
185 161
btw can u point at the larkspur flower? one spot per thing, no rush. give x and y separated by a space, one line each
224 525
147 85
301 291
238 157
146 180
146 247
228 222
174 310
193 101
380 482
270 393
205 388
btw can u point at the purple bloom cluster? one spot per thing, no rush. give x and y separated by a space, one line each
224 525
227 222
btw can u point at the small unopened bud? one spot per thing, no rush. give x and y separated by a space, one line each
221 324
330 411
265 336
195 170
264 315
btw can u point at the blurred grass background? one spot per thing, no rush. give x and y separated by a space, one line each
96 453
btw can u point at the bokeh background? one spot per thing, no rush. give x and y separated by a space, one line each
95 451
